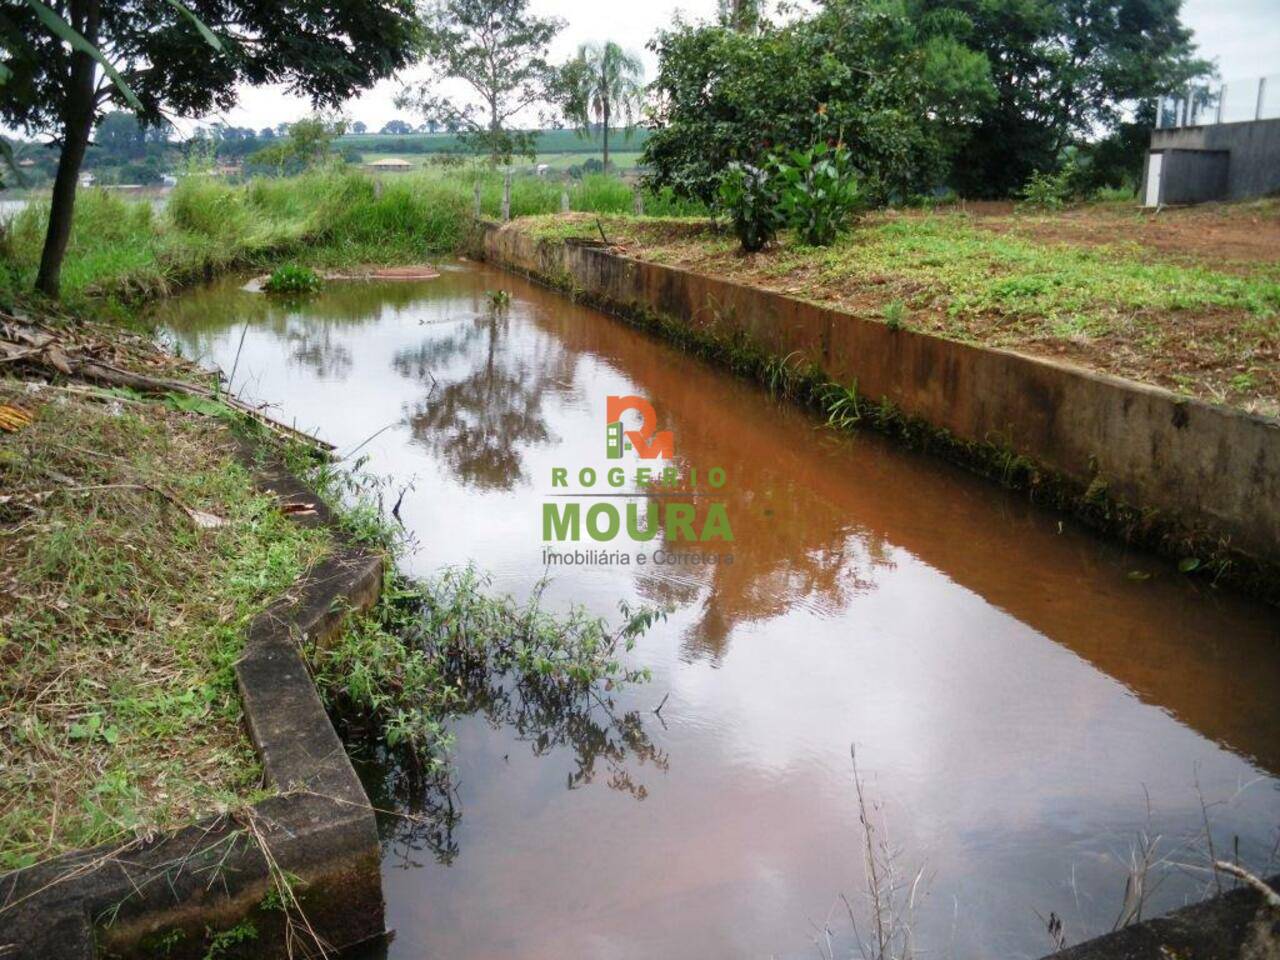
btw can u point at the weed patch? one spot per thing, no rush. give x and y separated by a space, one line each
133 551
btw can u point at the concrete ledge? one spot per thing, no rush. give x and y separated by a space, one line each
160 896
1178 475
1234 926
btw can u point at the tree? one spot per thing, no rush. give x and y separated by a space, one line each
865 75
309 142
600 83
359 127
161 62
396 127
1063 70
120 135
498 49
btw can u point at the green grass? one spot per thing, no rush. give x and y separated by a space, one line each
123 250
1159 316
121 618
1090 287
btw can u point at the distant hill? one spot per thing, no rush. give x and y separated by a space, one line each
549 141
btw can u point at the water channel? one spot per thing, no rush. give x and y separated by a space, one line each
1026 700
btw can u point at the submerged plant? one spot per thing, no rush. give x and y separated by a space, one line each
431 645
498 299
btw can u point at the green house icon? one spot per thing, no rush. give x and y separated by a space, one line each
613 442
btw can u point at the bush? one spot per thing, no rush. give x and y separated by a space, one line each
203 205
292 279
818 190
1049 191
748 198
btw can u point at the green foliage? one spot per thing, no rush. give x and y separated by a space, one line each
499 49
1049 191
430 644
309 142
290 278
818 191
224 941
1063 70
602 84
749 199
856 69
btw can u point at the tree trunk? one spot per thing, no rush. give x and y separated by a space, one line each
77 125
606 136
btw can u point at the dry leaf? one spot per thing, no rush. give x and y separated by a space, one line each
57 359
206 521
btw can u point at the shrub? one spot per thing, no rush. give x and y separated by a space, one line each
1049 191
292 279
749 199
202 205
818 191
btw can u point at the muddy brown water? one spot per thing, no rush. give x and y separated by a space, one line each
1026 700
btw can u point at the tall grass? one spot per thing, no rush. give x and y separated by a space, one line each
127 250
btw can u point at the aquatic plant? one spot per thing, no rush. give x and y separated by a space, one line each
292 279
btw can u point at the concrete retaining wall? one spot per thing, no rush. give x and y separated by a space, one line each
1212 474
160 897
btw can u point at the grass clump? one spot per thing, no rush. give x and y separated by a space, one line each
292 279
445 645
133 551
432 646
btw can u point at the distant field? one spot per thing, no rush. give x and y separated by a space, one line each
619 160
549 142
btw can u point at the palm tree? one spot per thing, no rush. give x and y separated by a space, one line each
601 83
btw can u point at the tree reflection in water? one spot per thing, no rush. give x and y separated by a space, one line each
603 741
480 423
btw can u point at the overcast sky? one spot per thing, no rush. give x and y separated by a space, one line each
1242 35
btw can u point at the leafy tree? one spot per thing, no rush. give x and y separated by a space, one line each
267 133
499 50
396 127
868 76
120 135
601 83
309 142
1062 70
161 61
359 127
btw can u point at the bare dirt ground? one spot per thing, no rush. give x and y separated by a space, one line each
1221 234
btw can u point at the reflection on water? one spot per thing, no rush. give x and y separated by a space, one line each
1013 692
